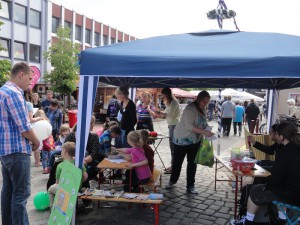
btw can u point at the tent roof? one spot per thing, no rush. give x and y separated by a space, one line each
206 59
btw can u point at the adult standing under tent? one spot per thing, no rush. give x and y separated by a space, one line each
251 113
227 113
188 135
15 149
126 115
172 115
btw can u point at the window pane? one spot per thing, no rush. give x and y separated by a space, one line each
96 39
4 12
78 33
19 51
20 14
88 36
105 40
4 44
34 53
55 24
35 18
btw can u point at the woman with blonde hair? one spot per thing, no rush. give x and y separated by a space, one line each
292 107
145 112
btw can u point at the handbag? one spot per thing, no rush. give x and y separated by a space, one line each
205 154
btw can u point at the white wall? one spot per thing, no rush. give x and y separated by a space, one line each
283 97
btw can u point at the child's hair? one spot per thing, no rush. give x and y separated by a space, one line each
115 129
109 124
135 138
145 136
64 127
41 113
69 148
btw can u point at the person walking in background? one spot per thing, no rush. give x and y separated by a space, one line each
47 102
172 115
16 134
251 113
188 135
112 109
145 112
36 101
227 113
54 114
238 118
211 109
127 115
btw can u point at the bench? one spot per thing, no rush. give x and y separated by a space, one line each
154 181
155 203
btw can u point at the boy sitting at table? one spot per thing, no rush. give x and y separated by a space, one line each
141 173
105 139
68 154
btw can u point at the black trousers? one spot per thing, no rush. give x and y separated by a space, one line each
179 154
226 124
234 126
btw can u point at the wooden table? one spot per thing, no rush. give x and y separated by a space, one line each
159 138
106 164
225 163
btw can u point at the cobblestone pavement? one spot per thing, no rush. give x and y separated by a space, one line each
208 207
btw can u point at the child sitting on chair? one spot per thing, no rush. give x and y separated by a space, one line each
149 153
105 139
141 173
68 154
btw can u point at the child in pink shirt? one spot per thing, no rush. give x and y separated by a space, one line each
141 173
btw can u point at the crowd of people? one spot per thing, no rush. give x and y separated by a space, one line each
129 124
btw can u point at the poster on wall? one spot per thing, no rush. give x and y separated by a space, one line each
296 97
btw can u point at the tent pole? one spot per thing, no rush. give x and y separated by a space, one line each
219 122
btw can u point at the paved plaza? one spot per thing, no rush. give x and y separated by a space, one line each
208 207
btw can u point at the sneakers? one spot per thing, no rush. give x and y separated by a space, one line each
192 190
242 221
170 185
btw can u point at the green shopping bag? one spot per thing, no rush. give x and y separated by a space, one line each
205 154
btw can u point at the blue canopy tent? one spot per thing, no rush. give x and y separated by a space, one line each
209 59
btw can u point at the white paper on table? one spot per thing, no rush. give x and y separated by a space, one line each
116 160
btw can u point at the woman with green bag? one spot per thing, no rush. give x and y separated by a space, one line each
188 134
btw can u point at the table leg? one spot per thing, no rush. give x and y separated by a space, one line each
156 212
156 150
235 196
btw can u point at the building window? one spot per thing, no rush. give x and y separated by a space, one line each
112 40
96 39
87 36
19 49
5 44
78 33
105 40
69 25
34 53
55 24
20 14
5 12
35 18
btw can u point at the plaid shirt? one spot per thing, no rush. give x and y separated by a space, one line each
13 120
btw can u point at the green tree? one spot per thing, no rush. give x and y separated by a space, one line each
5 68
63 56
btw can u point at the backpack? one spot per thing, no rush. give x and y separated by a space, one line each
113 109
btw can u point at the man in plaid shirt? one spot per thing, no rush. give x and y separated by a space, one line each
16 138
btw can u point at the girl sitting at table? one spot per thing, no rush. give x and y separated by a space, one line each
149 153
141 173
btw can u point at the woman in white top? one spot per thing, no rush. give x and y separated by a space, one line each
188 135
292 108
172 114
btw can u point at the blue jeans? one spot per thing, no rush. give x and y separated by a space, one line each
16 188
124 139
45 158
52 157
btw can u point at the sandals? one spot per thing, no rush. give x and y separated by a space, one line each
168 170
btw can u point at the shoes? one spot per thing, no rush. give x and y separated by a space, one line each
46 170
192 190
242 221
37 164
170 185
168 171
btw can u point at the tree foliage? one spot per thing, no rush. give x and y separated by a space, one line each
5 68
63 56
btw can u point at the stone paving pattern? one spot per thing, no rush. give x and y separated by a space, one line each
208 207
